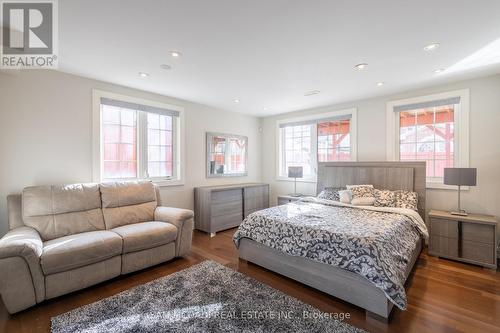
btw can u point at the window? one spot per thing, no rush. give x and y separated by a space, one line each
320 138
427 135
334 141
136 139
298 148
431 129
160 145
119 128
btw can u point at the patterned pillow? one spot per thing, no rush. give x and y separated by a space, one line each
331 193
384 198
361 191
406 199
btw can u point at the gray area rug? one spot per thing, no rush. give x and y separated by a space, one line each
207 297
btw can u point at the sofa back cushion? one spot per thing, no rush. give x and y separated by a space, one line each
128 202
60 210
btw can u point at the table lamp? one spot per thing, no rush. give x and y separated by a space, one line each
460 177
295 172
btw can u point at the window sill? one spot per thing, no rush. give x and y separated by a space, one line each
299 180
436 185
166 183
157 182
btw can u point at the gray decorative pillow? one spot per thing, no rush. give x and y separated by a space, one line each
406 199
384 198
331 193
361 191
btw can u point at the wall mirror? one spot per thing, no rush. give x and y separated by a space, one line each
226 155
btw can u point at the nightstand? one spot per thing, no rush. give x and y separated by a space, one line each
284 199
471 239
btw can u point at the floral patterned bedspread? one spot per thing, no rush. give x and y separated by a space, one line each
374 242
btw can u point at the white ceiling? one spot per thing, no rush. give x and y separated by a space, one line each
268 54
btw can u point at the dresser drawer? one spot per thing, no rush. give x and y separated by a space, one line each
227 208
445 228
256 191
257 202
225 196
476 251
219 223
445 246
478 232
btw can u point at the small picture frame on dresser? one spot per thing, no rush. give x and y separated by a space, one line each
471 239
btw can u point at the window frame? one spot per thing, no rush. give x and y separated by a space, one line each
314 141
461 130
178 140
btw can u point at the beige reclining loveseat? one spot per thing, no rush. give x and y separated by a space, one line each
65 238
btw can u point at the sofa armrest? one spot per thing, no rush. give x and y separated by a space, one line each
183 220
22 283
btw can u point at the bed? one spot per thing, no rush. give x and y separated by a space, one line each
376 258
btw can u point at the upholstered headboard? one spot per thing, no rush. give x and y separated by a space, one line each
408 176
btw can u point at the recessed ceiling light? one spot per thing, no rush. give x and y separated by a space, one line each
439 70
361 66
380 84
431 47
265 109
165 67
143 74
312 92
175 54
236 100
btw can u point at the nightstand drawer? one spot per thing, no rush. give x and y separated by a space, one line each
478 233
478 252
445 246
445 228
282 201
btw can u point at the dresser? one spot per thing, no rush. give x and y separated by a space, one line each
223 207
471 239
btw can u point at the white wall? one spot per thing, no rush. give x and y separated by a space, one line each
45 138
46 135
484 144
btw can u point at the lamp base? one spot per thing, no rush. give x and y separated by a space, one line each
460 213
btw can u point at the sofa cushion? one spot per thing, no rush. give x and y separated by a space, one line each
128 202
73 251
57 211
146 235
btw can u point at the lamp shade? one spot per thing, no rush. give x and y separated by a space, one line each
460 176
295 172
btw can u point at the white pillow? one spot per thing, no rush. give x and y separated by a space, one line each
345 196
363 201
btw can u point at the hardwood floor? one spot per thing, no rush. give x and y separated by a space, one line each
443 296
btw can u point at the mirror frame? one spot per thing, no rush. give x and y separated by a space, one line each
207 157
